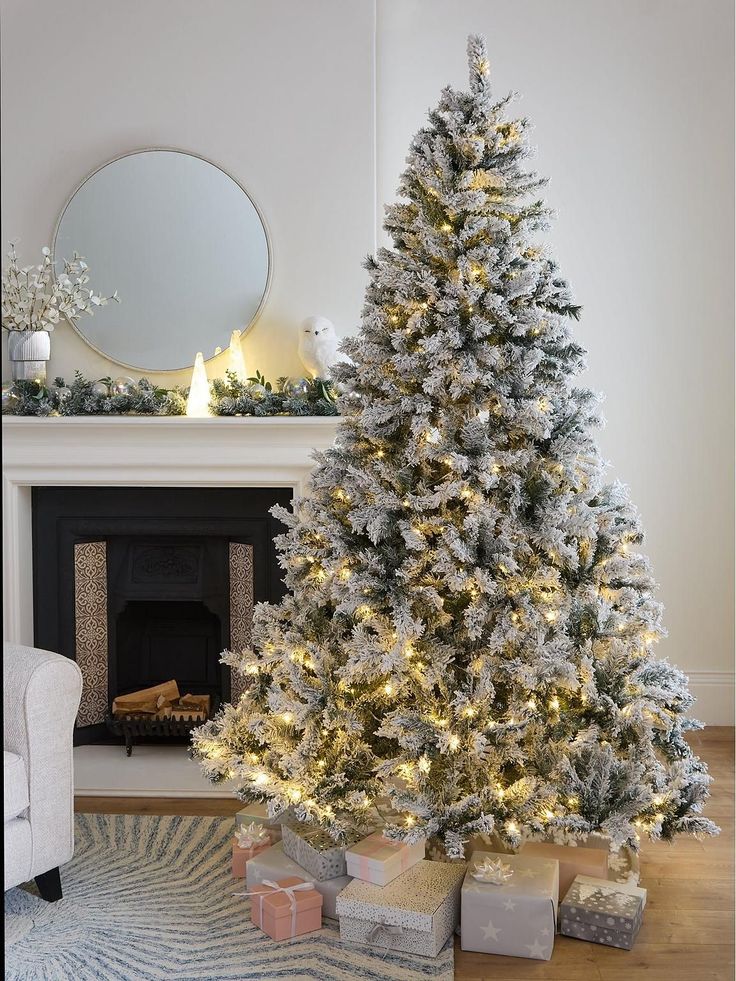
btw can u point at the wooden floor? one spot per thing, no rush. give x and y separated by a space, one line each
688 928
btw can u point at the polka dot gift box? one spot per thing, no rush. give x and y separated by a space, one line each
509 905
602 912
416 912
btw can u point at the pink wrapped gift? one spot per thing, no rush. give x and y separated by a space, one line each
248 842
286 908
378 860
573 861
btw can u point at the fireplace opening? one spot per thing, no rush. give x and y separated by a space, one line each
159 640
148 585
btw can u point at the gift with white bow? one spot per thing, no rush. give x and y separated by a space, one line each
509 905
259 814
602 912
285 908
249 840
274 863
493 870
416 912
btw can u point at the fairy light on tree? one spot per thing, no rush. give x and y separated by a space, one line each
465 496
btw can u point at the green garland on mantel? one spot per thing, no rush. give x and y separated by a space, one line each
124 396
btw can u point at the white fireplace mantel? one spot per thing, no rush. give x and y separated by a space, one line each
138 451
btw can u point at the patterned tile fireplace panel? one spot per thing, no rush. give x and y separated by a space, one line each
140 585
90 629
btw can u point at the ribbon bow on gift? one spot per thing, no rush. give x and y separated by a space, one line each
388 929
493 871
275 887
251 834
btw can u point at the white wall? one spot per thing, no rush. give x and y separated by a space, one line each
279 93
633 106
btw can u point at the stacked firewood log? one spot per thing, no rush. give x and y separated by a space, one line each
162 702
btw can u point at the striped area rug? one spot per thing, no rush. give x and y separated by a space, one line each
150 898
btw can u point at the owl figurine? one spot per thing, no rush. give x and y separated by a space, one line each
318 344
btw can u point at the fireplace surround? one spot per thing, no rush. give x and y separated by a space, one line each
137 452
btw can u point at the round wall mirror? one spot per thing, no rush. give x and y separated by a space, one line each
184 246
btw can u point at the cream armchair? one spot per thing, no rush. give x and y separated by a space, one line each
41 693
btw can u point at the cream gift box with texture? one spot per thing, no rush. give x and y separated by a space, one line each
516 917
274 864
417 912
573 861
379 860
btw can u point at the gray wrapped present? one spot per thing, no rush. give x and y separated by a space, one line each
274 864
509 904
316 851
602 912
416 912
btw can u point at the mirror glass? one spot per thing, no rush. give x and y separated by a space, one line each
184 246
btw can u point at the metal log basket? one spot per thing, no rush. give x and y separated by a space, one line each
136 726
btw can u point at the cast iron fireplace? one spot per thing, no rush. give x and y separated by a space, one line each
144 584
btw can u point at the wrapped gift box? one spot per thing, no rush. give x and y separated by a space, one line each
259 814
316 851
249 841
416 912
274 864
573 861
378 860
286 908
516 916
602 912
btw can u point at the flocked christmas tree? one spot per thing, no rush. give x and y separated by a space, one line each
470 624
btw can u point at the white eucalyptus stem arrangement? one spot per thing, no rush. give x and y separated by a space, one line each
34 298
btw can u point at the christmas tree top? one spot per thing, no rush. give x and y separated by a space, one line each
467 644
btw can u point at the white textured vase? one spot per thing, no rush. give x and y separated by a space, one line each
28 352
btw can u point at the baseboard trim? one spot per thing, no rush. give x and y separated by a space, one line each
714 693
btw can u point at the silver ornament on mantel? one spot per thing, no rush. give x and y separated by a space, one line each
101 388
123 386
10 397
61 392
297 388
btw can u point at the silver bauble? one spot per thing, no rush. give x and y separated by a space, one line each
297 388
9 397
61 392
256 391
123 386
101 388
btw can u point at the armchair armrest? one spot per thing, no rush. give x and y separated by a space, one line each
41 693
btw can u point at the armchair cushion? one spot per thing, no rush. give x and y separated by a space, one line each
15 786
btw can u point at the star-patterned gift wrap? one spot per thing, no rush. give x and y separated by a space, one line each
316 851
378 860
510 914
274 864
417 912
573 861
602 912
